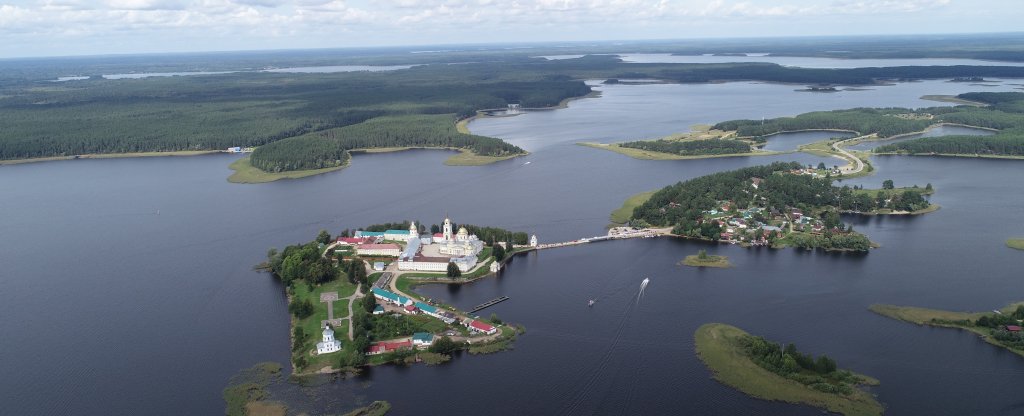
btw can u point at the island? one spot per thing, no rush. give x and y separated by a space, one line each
1015 243
352 303
1000 327
700 142
769 371
703 259
777 205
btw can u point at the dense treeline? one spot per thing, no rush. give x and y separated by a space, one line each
884 122
694 147
820 374
494 234
863 120
250 109
1006 143
331 147
847 76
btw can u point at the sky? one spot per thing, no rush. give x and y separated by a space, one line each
87 27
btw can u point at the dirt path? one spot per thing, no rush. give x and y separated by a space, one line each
352 299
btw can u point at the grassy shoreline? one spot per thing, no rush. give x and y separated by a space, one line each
247 173
622 214
1015 243
652 155
110 156
944 319
952 99
716 347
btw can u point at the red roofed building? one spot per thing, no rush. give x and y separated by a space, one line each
1013 328
478 326
385 347
410 309
351 241
388 249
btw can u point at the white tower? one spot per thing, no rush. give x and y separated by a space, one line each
533 241
413 231
447 229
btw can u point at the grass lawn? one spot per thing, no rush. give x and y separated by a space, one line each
710 261
1016 243
311 324
247 173
947 319
716 346
625 212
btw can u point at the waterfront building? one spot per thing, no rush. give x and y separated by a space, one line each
478 326
433 253
329 344
388 346
533 241
422 339
495 266
390 297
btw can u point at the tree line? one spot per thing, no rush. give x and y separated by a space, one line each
1006 143
691 148
330 148
817 373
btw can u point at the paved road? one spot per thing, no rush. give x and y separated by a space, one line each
858 165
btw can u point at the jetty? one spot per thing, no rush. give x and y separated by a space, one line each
488 304
617 233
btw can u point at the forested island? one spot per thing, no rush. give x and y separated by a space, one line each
769 371
328 282
703 259
1001 328
777 205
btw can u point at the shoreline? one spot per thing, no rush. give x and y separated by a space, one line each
245 173
943 319
462 126
652 155
174 153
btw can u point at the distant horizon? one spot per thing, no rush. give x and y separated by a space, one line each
540 44
55 28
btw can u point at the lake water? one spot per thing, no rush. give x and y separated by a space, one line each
140 75
783 142
630 112
933 132
128 288
339 68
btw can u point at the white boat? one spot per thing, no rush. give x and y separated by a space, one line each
591 302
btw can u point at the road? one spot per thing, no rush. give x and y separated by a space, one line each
858 165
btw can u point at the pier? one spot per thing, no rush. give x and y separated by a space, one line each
488 304
617 233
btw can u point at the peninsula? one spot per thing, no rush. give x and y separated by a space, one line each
1000 327
1015 243
352 302
765 370
776 205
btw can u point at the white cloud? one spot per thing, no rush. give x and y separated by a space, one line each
318 23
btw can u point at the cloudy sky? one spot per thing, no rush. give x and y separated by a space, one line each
77 27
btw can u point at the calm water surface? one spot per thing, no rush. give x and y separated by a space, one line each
127 285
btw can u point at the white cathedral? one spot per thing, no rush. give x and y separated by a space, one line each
461 244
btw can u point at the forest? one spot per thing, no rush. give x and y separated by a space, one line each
210 112
329 148
692 147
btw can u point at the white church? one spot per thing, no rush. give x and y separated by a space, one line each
329 344
433 253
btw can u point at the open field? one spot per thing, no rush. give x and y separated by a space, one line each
716 346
